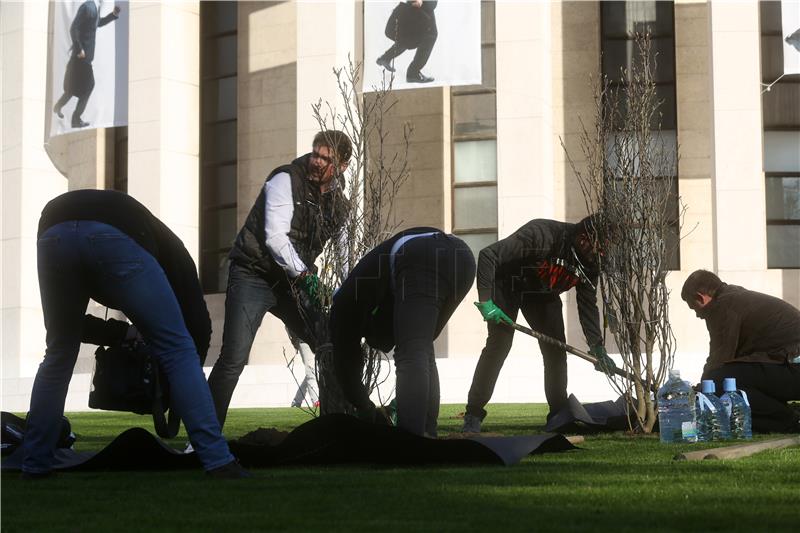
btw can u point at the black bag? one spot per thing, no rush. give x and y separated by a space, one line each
79 77
14 427
127 378
408 25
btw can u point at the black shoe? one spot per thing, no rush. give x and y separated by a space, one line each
419 77
232 470
79 124
57 111
385 63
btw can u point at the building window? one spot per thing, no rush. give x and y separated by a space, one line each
620 22
218 140
474 132
781 117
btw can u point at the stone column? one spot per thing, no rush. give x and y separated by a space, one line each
163 143
29 181
736 152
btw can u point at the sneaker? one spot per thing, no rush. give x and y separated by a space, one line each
472 424
232 470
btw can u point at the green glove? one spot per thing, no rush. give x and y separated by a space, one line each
492 313
311 285
604 363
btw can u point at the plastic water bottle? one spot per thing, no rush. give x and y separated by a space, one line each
707 423
737 407
709 389
676 410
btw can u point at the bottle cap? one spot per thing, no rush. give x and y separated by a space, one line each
674 373
708 387
729 384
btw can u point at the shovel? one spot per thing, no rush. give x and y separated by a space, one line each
571 349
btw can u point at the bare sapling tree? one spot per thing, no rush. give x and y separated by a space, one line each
628 177
376 171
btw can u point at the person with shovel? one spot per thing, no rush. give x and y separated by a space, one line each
527 271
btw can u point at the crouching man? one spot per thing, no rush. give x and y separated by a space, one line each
107 246
401 295
754 338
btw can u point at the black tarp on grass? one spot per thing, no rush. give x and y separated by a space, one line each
591 417
327 440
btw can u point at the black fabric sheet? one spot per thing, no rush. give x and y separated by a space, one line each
327 440
591 417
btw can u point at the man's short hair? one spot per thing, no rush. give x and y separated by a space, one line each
700 281
336 140
590 225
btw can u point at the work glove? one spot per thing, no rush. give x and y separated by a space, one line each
604 363
312 287
492 313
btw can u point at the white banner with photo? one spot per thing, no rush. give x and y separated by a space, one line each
790 23
424 43
89 59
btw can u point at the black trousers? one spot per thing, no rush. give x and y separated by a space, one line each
424 48
543 313
432 276
768 387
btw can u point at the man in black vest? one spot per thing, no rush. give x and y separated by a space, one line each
300 207
79 75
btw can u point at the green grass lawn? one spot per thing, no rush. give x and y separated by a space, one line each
615 482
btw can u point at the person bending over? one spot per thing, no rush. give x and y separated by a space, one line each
527 271
400 295
107 246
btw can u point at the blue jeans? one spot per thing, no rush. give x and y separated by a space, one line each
78 260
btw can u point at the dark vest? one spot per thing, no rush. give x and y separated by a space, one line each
316 218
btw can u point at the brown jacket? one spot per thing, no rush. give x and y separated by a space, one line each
748 326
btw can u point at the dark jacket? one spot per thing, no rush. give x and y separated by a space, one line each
83 29
539 258
748 326
316 218
132 218
408 26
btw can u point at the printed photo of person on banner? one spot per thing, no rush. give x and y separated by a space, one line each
401 39
85 54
